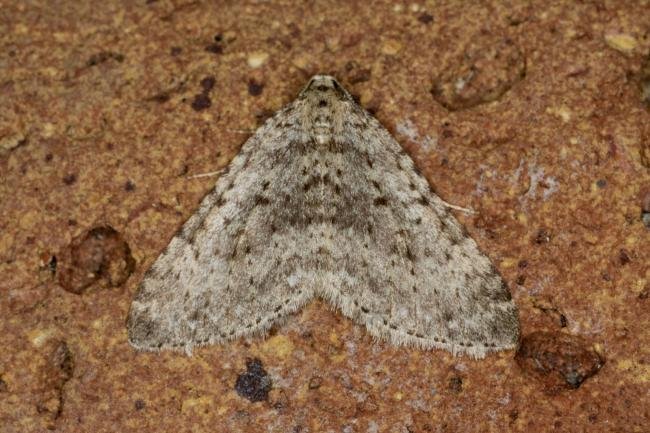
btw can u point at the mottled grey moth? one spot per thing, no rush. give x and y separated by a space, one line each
322 201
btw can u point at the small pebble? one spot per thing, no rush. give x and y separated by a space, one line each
201 102
207 83
391 47
257 59
621 42
425 18
255 88
254 384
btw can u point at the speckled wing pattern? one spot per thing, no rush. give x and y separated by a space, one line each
322 201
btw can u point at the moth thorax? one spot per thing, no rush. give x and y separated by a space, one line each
322 129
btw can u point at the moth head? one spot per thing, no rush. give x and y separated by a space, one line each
325 87
324 106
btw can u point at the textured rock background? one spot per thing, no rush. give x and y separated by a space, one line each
534 114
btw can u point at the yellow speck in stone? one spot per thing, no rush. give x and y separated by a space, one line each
522 218
52 71
61 36
257 59
39 336
48 129
222 409
599 349
333 43
564 152
301 62
28 220
21 29
562 112
6 240
398 396
631 241
508 262
391 47
624 364
570 33
278 345
641 372
11 141
195 403
621 42
590 238
366 96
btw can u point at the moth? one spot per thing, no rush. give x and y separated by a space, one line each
322 202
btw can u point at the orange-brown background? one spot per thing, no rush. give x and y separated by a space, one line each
538 122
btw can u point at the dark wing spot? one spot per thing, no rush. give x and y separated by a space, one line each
261 200
455 238
409 254
380 201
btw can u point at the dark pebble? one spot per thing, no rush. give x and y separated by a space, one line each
254 384
560 361
201 102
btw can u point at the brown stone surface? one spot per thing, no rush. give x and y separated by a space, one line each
99 256
107 107
560 361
